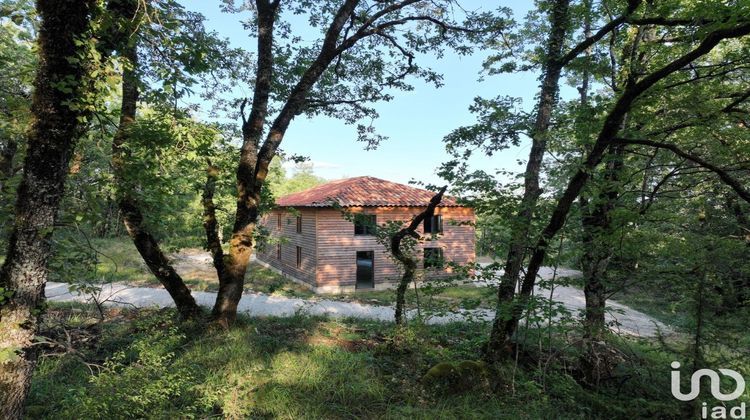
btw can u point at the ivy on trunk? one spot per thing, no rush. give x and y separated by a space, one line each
59 84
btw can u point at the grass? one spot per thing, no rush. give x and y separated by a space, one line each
118 261
667 309
143 364
725 339
466 297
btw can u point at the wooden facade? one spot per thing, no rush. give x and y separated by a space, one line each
328 247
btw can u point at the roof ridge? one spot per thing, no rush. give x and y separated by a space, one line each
362 191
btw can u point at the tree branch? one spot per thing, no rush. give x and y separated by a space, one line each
723 174
586 43
210 224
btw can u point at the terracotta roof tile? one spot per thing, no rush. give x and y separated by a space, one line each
363 191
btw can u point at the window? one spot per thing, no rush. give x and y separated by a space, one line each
278 221
433 224
278 251
433 258
365 224
299 224
299 256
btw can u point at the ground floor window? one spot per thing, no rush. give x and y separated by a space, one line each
299 256
433 258
278 251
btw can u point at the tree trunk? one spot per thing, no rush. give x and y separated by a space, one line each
596 223
408 261
144 241
210 224
521 226
607 137
255 157
232 278
410 268
597 247
7 153
51 141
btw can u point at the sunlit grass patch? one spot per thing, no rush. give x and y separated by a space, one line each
146 364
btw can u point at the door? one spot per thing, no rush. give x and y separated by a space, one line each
365 269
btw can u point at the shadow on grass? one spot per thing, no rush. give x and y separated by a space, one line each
146 365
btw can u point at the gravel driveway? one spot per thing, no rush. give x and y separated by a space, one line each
621 318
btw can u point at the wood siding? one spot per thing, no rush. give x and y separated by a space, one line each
329 245
337 245
289 240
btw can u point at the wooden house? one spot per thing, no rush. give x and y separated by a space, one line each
314 244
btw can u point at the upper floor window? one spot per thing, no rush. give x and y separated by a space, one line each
278 221
365 224
299 224
433 224
433 258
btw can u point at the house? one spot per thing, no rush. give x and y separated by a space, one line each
313 243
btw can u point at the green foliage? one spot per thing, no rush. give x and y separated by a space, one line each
315 367
9 354
17 69
168 158
303 178
5 294
137 381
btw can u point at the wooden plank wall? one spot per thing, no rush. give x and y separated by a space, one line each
337 245
290 240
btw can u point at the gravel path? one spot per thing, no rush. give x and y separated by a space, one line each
622 319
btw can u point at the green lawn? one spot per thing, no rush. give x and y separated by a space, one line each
466 297
119 261
145 365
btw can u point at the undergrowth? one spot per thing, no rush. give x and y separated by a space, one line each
145 364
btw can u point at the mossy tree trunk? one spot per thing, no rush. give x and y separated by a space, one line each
607 138
256 155
51 139
520 229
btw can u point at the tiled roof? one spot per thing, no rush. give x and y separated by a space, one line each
363 191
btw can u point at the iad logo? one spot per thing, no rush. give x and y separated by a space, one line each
718 412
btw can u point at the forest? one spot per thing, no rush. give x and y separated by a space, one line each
141 148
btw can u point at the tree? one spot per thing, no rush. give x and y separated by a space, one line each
596 127
504 325
17 66
366 47
501 124
711 35
126 17
57 112
303 178
174 47
403 252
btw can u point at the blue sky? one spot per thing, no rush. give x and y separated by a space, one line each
415 121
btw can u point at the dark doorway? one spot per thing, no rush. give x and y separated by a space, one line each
365 269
